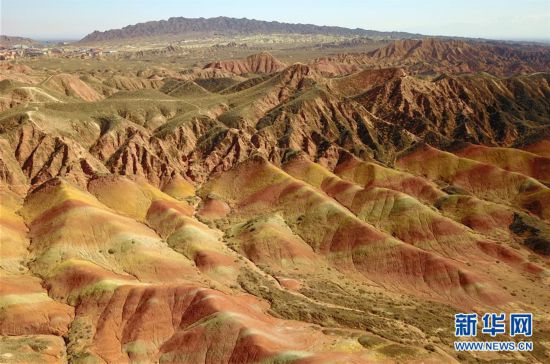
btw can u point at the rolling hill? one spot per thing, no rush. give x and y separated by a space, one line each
245 210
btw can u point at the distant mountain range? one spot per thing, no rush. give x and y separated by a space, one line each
189 26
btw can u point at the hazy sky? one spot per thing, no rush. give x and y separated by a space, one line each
499 19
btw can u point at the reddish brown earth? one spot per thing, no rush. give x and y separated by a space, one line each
433 55
256 63
339 210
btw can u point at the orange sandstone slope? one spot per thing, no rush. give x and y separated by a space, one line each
316 213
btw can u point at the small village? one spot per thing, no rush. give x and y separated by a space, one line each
62 50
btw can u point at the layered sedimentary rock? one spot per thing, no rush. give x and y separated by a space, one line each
318 212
